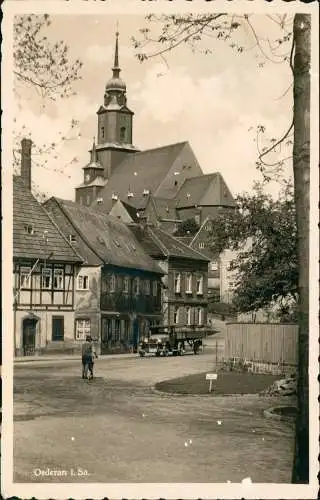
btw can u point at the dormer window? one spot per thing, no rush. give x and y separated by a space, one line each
188 195
29 229
114 197
201 244
72 238
130 195
146 192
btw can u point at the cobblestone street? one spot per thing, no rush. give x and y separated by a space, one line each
117 428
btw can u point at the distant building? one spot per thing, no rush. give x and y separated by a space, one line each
220 278
118 287
44 266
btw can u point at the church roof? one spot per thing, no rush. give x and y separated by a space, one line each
31 223
140 171
204 190
165 208
106 238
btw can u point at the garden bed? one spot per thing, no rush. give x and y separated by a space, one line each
227 383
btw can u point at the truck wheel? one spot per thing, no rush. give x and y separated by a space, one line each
141 353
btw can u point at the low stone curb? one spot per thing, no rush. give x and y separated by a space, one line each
35 359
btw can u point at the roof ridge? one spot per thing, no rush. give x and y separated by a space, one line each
162 147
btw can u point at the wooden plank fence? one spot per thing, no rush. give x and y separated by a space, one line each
263 342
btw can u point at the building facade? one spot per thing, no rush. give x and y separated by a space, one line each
185 290
44 267
118 287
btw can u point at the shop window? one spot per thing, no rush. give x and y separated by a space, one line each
83 328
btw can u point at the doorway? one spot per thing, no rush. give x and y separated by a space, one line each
29 327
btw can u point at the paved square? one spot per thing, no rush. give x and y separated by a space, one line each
118 429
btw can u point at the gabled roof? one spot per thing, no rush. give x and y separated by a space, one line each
204 190
47 239
160 244
140 171
107 237
124 212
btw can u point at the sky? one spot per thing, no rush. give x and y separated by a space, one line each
214 101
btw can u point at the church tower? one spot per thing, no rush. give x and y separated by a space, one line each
114 121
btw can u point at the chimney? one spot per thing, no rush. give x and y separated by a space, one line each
26 162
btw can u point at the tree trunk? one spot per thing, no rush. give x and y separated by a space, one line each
301 169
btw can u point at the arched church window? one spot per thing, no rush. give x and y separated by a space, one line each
102 132
122 133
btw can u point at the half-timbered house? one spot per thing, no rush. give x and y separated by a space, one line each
44 265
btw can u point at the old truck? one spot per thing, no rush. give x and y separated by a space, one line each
175 340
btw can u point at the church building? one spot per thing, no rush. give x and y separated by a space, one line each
118 170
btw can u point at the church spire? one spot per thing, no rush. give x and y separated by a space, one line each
115 85
94 158
116 54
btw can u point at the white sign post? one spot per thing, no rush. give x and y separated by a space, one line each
211 377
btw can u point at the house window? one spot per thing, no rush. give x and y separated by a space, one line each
136 286
201 244
199 285
102 132
147 287
176 315
57 328
214 265
189 315
189 283
25 277
88 199
200 316
58 279
83 282
177 283
83 328
72 238
155 288
122 133
112 287
126 283
46 278
29 229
